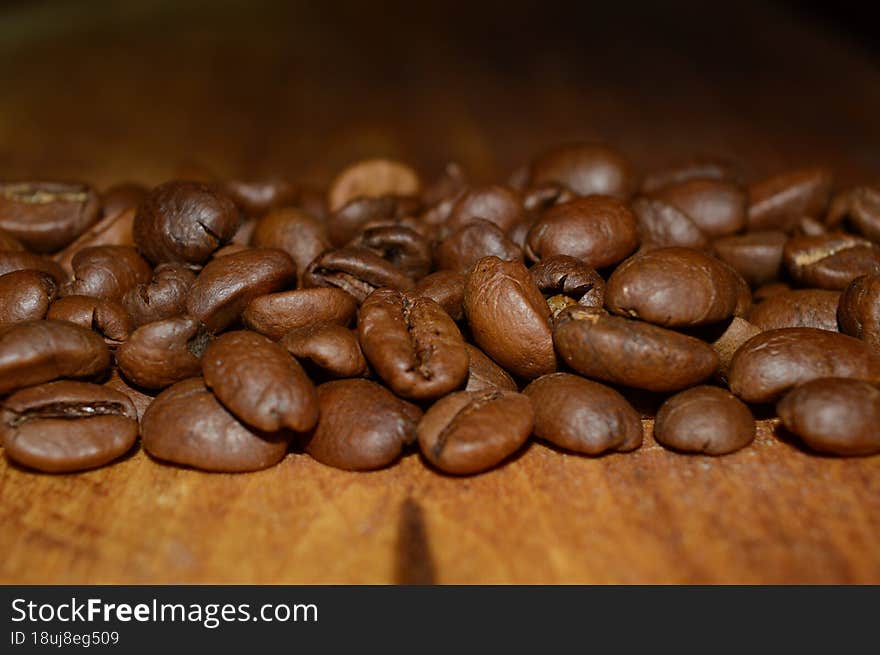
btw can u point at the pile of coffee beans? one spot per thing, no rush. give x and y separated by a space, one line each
224 323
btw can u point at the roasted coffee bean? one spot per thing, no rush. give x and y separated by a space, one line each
815 308
186 425
15 260
757 256
701 168
484 374
673 287
106 272
412 344
598 230
184 222
346 223
162 297
858 311
834 415
705 420
717 207
140 397
9 242
769 290
586 169
568 276
357 271
771 363
404 248
631 353
537 199
275 314
661 224
473 241
778 202
737 332
509 318
296 232
159 354
25 296
122 197
830 261
106 317
582 415
67 426
496 204
259 382
112 230
362 425
446 288
230 249
372 178
33 352
450 184
860 208
332 349
469 432
226 285
256 197
46 216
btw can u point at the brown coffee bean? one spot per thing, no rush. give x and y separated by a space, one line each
834 415
25 296
568 276
737 332
275 314
372 178
67 426
159 354
112 230
332 349
412 344
296 232
446 288
14 260
256 197
631 353
705 420
598 230
357 271
121 198
226 285
757 256
186 425
496 204
46 216
9 242
586 169
259 382
768 365
660 224
778 202
539 198
700 168
583 416
473 241
33 352
402 247
485 374
140 398
830 261
469 432
231 249
858 311
106 317
106 272
860 208
362 425
809 226
346 223
184 222
162 297
769 290
717 207
509 318
673 287
815 308
450 184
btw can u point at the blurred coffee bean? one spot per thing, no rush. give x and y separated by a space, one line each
46 216
473 241
757 256
778 202
296 232
859 310
587 169
372 178
830 261
717 207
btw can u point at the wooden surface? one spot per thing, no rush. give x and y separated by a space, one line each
90 91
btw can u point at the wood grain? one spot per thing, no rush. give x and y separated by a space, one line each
249 89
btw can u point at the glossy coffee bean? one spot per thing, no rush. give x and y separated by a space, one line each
737 332
332 349
838 416
25 296
159 354
412 344
106 317
509 318
564 275
468 432
295 231
473 241
583 416
706 420
771 363
186 425
586 169
661 224
495 203
256 197
757 256
112 230
446 288
162 297
858 311
698 168
67 426
816 308
717 207
346 223
121 198
402 247
107 272
357 271
485 374
830 261
778 202
184 222
275 314
631 353
372 178
46 216
362 425
860 209
15 260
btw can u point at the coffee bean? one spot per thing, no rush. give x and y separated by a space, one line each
673 287
14 260
769 290
9 242
586 169
357 271
362 425
256 197
737 332
446 288
705 420
468 432
346 223
838 416
631 353
485 374
816 308
661 224
296 232
830 261
275 314
583 416
46 216
598 230
402 247
33 352
159 354
112 230
771 363
332 349
106 272
226 285
494 203
776 203
450 184
568 276
25 296
757 256
810 227
67 426
717 207
106 317
509 318
186 425
413 345
473 241
162 297
121 198
860 208
372 178
859 310
701 168
184 222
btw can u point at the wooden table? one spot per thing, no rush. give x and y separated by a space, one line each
89 91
